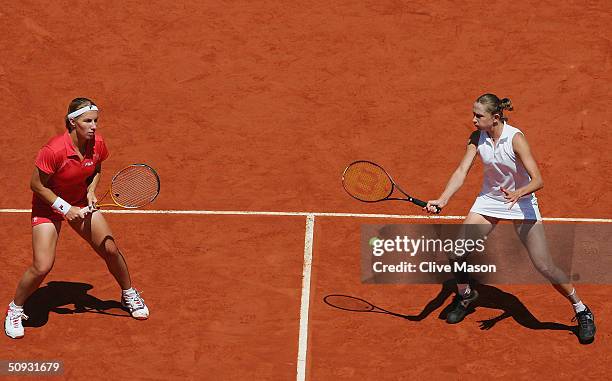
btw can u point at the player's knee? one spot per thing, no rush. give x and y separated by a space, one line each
111 251
41 268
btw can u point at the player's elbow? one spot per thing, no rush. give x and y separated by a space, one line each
33 186
36 186
538 183
38 181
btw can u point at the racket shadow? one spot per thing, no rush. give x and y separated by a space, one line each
489 297
56 295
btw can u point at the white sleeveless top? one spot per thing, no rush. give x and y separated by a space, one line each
502 169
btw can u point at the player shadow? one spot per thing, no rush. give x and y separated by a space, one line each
56 295
489 297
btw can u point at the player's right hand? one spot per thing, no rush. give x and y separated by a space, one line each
431 205
75 213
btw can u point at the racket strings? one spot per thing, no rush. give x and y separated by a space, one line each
135 186
367 181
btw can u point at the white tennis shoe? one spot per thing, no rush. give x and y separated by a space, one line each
12 324
135 303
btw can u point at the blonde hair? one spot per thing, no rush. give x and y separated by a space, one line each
494 105
74 105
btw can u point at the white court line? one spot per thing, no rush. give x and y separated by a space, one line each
316 214
305 302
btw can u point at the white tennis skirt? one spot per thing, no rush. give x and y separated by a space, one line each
525 209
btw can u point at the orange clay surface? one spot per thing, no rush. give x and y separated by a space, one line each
259 106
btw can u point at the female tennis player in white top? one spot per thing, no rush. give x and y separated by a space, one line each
511 176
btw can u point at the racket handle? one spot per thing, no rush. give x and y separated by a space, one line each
88 209
423 204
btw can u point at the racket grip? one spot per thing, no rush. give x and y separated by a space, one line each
423 204
88 209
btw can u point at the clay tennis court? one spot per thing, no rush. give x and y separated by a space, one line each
249 111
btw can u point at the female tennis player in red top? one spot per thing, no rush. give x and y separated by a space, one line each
64 180
511 176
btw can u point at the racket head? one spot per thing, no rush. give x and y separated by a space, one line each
367 181
135 186
348 303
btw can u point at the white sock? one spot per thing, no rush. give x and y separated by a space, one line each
14 306
572 297
463 289
579 307
128 291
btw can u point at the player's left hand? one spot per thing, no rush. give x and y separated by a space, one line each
91 199
511 196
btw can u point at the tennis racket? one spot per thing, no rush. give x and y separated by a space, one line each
354 304
132 187
369 182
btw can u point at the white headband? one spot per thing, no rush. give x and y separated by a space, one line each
81 111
